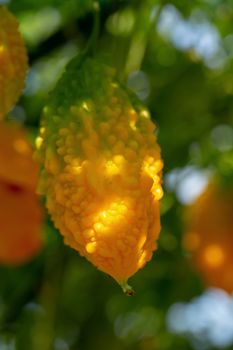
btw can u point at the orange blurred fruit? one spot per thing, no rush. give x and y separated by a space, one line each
209 236
20 224
16 163
20 212
13 61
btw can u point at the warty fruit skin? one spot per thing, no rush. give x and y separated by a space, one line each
13 61
101 169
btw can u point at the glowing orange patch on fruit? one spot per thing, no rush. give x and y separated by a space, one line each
13 61
214 255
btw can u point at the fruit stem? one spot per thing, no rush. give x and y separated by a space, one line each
127 289
91 45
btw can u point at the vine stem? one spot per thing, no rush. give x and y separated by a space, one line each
141 37
92 42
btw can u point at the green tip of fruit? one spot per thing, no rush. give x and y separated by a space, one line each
127 289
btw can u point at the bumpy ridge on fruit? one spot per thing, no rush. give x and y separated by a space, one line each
13 61
101 169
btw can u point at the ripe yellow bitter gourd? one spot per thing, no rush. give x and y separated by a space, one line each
20 212
101 170
13 61
209 236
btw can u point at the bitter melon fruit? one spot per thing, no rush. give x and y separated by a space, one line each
20 212
101 169
209 236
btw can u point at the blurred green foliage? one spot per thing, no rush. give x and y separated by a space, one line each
177 56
